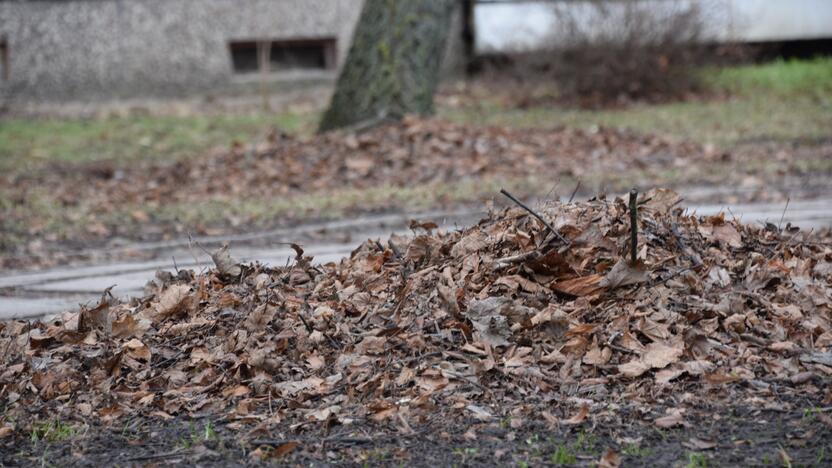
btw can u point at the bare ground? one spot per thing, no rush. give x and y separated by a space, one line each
718 432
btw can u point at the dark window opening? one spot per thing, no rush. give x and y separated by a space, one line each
282 55
4 60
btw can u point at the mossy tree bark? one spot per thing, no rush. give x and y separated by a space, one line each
393 65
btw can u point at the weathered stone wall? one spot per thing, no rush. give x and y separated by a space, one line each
105 49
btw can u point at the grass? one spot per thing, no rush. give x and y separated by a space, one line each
696 460
780 101
729 122
51 431
787 78
196 437
562 455
635 451
27 144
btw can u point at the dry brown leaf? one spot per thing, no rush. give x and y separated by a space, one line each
719 230
624 274
672 418
127 326
581 286
659 355
634 368
97 318
661 199
137 350
492 327
371 345
699 444
597 356
284 449
469 244
609 459
259 319
579 417
173 300
786 347
226 265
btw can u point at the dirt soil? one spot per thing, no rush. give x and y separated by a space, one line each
49 214
720 433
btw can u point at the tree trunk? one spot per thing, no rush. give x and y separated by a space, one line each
393 65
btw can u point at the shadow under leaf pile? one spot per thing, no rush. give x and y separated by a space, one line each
471 323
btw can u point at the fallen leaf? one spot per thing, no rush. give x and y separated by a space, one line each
226 265
579 417
609 459
658 355
127 326
634 368
137 350
624 274
699 444
580 286
673 418
173 300
479 412
490 324
283 449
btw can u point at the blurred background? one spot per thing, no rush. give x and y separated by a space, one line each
127 127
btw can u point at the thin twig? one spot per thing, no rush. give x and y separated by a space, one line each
784 213
633 225
159 456
532 212
506 261
572 197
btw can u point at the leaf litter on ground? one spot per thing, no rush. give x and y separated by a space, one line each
237 188
501 318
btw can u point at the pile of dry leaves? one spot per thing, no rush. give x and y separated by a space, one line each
502 317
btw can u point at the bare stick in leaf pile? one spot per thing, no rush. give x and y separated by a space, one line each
633 225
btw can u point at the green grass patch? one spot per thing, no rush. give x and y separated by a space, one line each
28 143
724 122
51 431
633 450
562 456
780 101
198 436
786 78
696 460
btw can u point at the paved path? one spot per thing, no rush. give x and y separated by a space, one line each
35 294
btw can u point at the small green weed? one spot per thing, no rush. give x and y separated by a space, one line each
562 456
585 442
696 460
198 436
465 453
51 431
809 413
633 450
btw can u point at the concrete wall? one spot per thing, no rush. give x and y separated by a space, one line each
523 25
104 49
